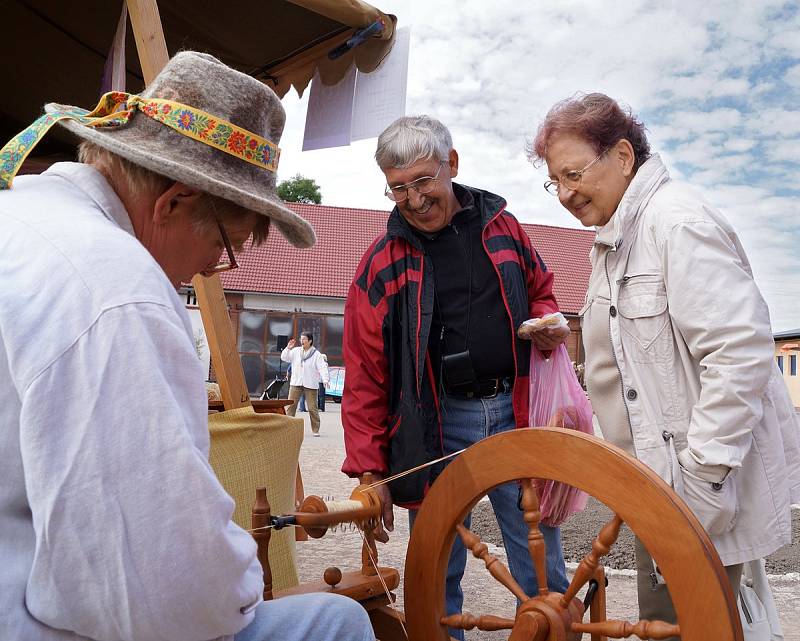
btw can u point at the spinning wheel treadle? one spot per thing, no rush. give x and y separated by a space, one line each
699 587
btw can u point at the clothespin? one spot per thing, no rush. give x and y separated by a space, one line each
356 39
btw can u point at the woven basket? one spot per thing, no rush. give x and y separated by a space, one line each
250 450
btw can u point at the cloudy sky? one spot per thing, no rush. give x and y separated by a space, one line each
716 83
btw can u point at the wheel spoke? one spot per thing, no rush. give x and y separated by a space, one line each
467 621
499 571
622 629
588 565
536 545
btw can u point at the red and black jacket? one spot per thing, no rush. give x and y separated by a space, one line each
390 407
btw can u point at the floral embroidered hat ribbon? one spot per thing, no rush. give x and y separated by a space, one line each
199 122
116 109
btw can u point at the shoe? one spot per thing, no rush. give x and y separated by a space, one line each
316 433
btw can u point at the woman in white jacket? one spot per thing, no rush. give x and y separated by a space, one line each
309 368
679 352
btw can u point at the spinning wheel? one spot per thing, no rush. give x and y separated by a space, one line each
698 584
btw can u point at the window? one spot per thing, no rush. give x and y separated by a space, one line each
251 331
334 328
252 326
780 363
277 325
311 324
260 331
793 365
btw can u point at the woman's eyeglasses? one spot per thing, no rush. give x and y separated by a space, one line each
571 179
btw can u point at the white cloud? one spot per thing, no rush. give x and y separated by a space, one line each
786 150
792 76
714 82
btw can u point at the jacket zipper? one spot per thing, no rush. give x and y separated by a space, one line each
510 316
417 374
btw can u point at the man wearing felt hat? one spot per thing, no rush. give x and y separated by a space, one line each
112 523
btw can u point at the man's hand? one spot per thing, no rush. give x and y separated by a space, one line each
387 517
291 344
549 338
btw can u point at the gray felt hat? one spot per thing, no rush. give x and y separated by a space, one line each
203 82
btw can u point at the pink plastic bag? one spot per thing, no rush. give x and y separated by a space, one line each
557 400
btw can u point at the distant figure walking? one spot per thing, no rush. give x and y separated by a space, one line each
309 369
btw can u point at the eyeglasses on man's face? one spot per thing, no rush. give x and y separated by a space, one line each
572 179
223 265
424 185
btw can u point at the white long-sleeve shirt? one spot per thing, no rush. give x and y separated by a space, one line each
112 523
309 372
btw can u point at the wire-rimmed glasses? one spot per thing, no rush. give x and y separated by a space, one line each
223 265
424 185
571 179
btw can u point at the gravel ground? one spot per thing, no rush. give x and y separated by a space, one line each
576 531
320 460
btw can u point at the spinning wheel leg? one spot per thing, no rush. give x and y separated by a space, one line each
702 595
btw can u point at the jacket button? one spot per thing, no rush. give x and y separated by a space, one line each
717 486
631 394
612 311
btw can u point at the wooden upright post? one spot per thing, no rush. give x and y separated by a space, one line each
153 55
149 35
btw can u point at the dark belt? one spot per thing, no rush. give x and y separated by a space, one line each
484 388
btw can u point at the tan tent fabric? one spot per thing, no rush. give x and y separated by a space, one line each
367 56
353 13
250 450
51 52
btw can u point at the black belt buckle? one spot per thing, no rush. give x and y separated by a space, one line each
488 388
493 394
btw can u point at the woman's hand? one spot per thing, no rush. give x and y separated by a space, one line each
291 344
549 338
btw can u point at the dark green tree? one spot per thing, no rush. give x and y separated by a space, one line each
299 189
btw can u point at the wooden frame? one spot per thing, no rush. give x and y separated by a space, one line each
699 587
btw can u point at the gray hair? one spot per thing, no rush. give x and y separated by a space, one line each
410 139
139 180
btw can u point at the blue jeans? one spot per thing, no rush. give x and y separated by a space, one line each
319 616
465 422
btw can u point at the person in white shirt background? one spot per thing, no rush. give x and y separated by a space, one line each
309 368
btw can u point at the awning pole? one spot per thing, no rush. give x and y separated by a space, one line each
153 55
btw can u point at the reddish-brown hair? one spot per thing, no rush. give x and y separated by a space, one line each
596 118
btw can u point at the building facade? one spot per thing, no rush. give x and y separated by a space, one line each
787 353
279 291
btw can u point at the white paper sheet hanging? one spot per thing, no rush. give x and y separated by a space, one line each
360 105
381 95
330 113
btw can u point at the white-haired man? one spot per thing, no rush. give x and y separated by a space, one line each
431 352
112 523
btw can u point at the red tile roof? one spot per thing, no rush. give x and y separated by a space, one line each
343 235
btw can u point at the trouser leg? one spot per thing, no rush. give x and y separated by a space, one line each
505 502
321 617
295 392
654 600
313 410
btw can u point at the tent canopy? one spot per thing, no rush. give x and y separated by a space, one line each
56 51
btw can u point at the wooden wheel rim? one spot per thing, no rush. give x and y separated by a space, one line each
699 587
